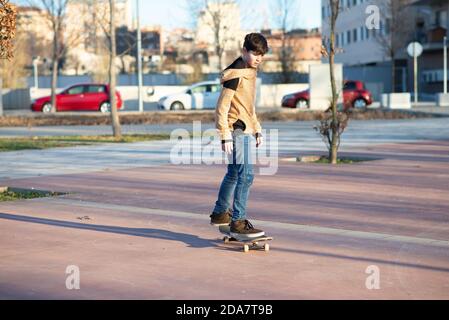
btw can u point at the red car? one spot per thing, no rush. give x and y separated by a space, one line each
80 97
355 95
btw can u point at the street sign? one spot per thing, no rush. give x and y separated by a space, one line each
414 49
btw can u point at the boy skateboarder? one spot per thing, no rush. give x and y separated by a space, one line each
239 129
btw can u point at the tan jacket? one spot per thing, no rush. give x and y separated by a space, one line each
237 100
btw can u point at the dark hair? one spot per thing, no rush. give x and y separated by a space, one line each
256 42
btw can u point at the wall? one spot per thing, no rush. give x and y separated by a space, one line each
171 79
269 96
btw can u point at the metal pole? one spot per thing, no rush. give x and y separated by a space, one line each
139 57
415 67
445 67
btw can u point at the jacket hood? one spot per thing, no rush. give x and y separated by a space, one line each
229 74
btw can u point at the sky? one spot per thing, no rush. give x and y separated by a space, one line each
174 13
255 14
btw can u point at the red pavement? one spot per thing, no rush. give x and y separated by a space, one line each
148 236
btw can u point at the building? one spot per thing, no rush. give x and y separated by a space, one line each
87 22
305 47
91 18
231 35
34 37
34 21
431 28
152 46
365 35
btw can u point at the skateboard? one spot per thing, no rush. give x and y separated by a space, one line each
248 243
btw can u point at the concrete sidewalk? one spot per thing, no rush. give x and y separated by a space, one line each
293 138
144 233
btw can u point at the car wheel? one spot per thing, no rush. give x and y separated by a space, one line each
302 104
105 107
46 108
177 106
359 103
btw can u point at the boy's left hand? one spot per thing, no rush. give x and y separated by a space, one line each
259 141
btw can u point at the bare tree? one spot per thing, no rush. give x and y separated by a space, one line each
215 14
395 31
116 128
284 11
62 40
100 73
197 67
333 124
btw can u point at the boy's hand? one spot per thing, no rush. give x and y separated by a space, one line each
259 141
227 147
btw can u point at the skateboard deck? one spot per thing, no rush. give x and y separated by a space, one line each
248 243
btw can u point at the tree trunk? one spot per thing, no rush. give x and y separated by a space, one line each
220 62
54 79
116 128
54 83
334 142
285 57
393 75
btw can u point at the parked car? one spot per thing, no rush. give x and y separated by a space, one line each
79 97
355 95
201 95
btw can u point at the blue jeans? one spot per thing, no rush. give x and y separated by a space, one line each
239 177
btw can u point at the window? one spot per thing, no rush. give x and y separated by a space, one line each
350 86
354 35
441 18
213 88
362 34
76 90
387 26
199 89
348 37
95 89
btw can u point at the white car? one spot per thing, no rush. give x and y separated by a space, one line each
201 95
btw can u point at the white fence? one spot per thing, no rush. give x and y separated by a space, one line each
270 96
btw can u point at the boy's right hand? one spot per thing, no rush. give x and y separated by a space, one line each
227 147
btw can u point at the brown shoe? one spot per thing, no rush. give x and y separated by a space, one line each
221 219
244 229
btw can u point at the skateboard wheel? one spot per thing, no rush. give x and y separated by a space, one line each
246 248
266 247
226 240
